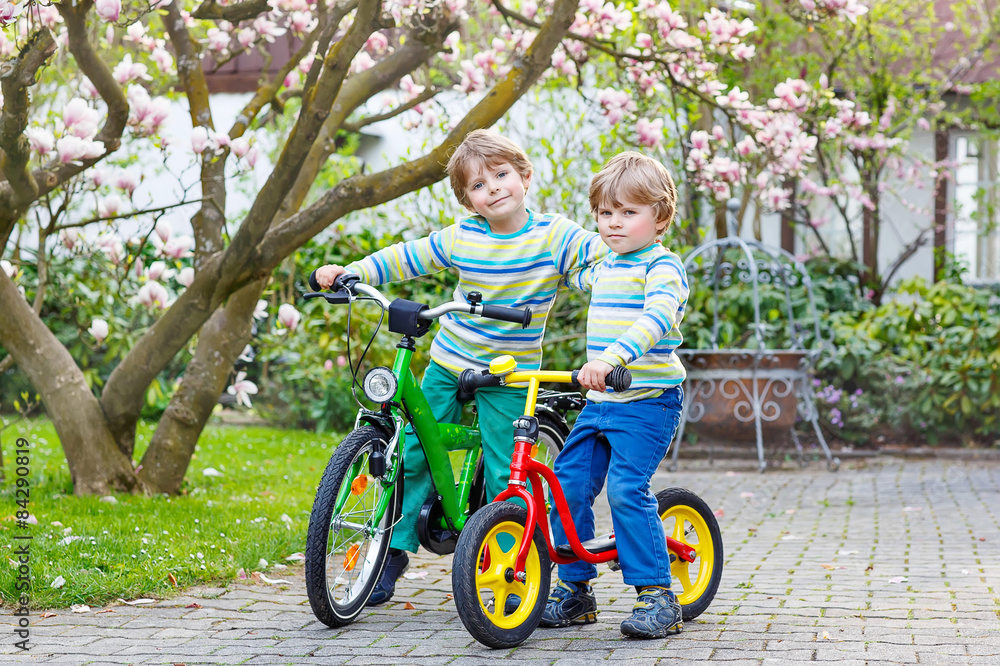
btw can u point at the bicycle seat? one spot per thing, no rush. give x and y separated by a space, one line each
600 544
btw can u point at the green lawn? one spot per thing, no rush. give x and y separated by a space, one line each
258 509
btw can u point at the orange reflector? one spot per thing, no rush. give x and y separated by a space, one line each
534 450
359 484
351 559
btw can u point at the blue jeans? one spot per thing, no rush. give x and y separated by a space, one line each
638 435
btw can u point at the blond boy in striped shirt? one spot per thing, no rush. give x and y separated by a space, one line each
638 296
515 257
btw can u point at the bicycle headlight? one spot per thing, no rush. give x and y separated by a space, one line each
380 384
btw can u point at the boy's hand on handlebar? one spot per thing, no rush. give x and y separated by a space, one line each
592 375
325 275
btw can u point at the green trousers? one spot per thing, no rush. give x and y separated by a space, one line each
497 407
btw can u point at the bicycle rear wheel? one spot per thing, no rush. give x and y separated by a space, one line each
346 550
687 518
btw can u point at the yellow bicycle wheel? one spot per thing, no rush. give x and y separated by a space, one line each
498 609
688 519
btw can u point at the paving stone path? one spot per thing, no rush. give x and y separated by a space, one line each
891 562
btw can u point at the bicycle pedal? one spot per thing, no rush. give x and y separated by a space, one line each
614 565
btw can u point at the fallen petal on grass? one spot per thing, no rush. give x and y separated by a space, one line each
106 610
409 606
211 471
58 582
241 574
897 579
45 615
413 575
296 557
109 499
719 513
274 581
80 608
137 602
913 508
193 605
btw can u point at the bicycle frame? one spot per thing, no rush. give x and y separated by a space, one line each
437 439
524 467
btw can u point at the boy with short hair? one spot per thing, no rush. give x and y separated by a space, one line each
515 257
639 294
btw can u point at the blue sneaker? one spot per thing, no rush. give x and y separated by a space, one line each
398 563
656 614
570 603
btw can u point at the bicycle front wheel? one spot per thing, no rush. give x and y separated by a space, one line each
347 546
497 609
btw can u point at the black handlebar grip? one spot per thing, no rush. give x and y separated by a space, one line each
618 379
522 317
470 380
313 284
345 281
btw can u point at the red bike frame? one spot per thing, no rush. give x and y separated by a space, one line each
524 468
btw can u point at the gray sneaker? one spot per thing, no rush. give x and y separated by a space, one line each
570 603
656 614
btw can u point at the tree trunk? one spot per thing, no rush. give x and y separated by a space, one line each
95 463
220 342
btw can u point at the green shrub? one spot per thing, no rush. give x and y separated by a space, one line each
927 363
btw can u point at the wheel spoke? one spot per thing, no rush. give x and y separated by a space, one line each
685 576
678 529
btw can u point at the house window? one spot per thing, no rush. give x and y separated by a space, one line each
976 231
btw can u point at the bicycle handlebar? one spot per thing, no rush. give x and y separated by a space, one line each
347 284
619 379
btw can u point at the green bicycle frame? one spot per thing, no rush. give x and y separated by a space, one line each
437 439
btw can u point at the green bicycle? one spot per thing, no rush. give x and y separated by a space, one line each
359 498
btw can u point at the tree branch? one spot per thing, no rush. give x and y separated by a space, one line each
15 78
234 13
427 94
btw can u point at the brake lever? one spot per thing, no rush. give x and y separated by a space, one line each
342 297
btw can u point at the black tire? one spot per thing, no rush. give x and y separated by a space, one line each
699 529
335 550
479 582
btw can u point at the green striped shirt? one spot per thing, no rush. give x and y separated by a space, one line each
636 307
523 269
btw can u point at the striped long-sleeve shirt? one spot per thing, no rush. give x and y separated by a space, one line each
518 270
636 307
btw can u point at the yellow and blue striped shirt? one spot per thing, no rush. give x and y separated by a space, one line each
518 270
636 307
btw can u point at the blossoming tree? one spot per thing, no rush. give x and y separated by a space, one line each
85 85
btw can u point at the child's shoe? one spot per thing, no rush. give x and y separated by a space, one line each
570 603
398 563
656 614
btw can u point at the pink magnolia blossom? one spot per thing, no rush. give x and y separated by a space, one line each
73 148
108 10
70 237
163 230
40 140
186 276
328 365
98 329
153 294
242 388
650 132
251 156
8 11
288 316
260 312
218 40
8 268
109 206
80 120
240 146
127 181
178 247
699 140
127 70
199 139
157 270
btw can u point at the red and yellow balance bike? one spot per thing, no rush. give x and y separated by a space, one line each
502 567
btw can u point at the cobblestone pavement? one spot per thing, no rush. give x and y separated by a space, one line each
892 562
